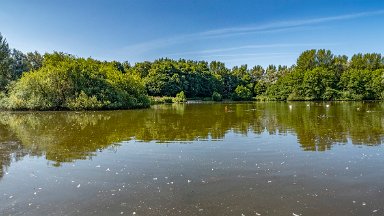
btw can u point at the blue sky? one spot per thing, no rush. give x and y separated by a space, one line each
236 32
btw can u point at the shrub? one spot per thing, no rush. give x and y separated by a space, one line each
180 98
84 102
330 94
161 100
66 82
347 95
217 96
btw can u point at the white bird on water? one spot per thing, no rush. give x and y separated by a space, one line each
290 106
327 105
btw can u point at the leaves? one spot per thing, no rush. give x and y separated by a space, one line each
62 81
67 82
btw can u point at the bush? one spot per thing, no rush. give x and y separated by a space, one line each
65 82
263 98
331 94
347 95
84 102
242 93
217 96
161 100
180 98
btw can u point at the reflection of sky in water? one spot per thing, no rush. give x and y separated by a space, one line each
254 165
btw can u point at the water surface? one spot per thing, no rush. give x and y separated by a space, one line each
195 159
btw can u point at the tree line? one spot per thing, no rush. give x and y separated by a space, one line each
62 81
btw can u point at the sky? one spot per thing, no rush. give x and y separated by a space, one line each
253 32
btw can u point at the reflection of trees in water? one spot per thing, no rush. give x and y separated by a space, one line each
318 127
61 137
67 136
10 149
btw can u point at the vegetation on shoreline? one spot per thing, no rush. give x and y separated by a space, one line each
61 81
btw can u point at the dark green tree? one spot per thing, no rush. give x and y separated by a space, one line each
34 60
5 63
19 64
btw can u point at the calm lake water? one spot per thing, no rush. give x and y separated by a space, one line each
195 159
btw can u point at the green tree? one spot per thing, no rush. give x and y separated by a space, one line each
306 60
67 82
19 64
242 93
5 63
370 61
34 60
317 82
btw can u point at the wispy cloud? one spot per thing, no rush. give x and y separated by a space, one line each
144 47
286 24
247 47
256 58
247 55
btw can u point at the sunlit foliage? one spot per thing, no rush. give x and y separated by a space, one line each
67 82
62 81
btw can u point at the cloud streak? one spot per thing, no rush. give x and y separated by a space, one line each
287 24
144 47
246 47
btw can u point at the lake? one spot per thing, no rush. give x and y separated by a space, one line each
272 158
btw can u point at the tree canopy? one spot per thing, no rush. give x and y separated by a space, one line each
67 82
63 81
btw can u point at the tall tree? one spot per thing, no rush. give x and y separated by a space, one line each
5 63
19 64
35 60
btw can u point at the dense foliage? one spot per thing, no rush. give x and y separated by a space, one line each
62 81
217 96
67 82
317 75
